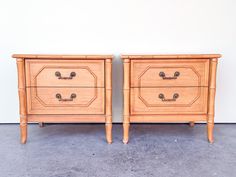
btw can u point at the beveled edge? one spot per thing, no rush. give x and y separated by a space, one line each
52 56
172 56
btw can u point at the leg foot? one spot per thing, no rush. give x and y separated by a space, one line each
210 127
191 124
109 132
23 129
126 133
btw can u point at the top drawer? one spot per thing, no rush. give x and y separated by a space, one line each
76 73
181 72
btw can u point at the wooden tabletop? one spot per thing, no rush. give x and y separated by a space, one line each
172 56
49 56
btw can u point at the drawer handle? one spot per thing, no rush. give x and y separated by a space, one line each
162 97
58 74
163 75
59 97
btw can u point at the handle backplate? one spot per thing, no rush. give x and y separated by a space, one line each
58 74
162 97
59 97
164 77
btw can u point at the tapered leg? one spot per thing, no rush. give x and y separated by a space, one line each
109 101
126 119
23 129
210 128
191 124
22 99
211 100
109 133
126 132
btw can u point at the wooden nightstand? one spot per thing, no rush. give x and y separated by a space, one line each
65 88
169 88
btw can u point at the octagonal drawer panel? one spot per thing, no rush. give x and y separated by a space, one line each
77 73
65 100
167 100
155 73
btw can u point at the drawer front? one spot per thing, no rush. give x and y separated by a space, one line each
166 100
65 100
155 73
74 73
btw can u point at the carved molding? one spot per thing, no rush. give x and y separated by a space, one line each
145 102
67 67
162 68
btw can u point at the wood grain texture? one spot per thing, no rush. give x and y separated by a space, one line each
43 100
39 85
146 73
191 100
167 118
211 99
108 64
194 84
41 73
65 118
126 90
172 56
58 57
22 99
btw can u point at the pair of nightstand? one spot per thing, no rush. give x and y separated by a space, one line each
78 88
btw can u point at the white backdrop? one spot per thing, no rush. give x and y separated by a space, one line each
115 27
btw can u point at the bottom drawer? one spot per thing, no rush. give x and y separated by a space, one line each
175 100
65 100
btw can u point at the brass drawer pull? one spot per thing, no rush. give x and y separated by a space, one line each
59 97
58 74
163 75
162 97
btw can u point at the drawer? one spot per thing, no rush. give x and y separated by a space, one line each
74 73
181 72
167 100
65 100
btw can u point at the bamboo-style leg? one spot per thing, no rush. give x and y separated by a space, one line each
41 124
211 99
126 126
109 129
23 129
22 98
109 101
126 119
191 124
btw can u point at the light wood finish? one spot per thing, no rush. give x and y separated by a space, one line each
41 100
145 73
211 100
172 56
149 95
126 119
167 118
41 73
62 57
22 98
108 100
65 118
191 100
45 96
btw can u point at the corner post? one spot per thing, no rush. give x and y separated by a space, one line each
211 98
22 98
108 76
126 119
